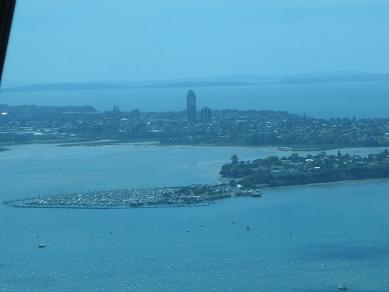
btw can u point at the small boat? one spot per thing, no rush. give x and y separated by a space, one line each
242 194
41 245
256 195
341 287
284 148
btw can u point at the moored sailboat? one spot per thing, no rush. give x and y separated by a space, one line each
341 287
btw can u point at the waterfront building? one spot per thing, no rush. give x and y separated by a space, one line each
206 114
191 110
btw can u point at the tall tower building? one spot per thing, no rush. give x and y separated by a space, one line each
191 110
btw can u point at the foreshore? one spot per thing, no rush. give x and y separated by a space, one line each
325 184
105 142
108 142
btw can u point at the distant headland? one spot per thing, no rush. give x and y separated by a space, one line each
228 80
277 171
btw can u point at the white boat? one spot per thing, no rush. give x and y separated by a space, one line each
341 287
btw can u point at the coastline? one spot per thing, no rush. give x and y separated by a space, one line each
279 151
103 142
323 184
255 147
96 143
90 143
270 147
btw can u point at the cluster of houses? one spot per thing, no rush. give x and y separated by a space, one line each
28 124
297 169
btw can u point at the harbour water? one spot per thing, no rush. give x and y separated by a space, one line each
303 238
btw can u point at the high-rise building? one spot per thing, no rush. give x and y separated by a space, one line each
115 109
206 115
191 110
135 114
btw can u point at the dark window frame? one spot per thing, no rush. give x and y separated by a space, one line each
7 8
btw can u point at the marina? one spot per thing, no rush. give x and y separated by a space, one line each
190 196
327 244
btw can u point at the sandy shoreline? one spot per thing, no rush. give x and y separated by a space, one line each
334 183
103 142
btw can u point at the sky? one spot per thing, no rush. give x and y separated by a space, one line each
119 40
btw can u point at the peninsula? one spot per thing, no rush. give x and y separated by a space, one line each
299 170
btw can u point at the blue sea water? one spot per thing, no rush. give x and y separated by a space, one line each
333 99
338 231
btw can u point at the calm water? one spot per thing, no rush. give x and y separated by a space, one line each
337 99
338 230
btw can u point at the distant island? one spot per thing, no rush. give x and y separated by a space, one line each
336 77
311 169
124 85
219 81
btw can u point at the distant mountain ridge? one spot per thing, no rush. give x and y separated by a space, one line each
232 80
356 76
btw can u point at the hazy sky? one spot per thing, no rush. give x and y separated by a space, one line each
129 40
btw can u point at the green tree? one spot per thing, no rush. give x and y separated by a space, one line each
234 159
